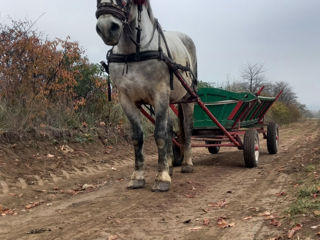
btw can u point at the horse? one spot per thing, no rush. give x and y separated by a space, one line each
141 75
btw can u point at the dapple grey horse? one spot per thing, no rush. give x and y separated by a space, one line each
147 81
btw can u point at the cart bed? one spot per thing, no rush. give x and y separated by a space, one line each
232 109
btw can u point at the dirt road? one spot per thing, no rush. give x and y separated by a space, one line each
79 192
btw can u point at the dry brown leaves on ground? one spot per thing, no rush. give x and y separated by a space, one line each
33 204
292 231
219 204
7 211
195 229
113 237
206 222
223 224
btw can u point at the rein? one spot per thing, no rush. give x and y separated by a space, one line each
121 12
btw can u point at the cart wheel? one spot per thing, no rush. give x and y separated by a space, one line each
213 150
273 138
177 156
251 148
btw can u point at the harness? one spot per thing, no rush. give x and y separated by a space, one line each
120 10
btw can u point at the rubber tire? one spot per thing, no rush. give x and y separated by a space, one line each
273 138
177 156
251 137
213 150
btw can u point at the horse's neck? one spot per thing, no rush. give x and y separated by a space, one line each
126 46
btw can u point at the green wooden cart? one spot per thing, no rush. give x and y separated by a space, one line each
232 119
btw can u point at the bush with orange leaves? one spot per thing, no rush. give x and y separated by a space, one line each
44 81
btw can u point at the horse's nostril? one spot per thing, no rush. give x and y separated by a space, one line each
115 27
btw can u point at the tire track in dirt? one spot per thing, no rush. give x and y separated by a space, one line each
141 214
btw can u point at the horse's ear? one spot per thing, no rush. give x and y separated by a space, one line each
139 2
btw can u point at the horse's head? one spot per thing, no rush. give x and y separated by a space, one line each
112 15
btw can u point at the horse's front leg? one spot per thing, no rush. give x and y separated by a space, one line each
133 115
163 179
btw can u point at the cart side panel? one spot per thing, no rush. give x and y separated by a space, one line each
245 108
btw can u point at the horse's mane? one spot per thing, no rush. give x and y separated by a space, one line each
149 9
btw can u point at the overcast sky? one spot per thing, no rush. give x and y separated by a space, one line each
283 35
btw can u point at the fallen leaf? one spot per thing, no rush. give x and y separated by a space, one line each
87 186
223 224
33 205
219 204
195 229
264 214
107 152
281 194
113 237
270 217
188 196
275 223
315 227
292 231
7 211
66 149
206 222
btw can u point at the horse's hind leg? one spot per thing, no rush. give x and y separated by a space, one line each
163 179
133 114
187 165
169 148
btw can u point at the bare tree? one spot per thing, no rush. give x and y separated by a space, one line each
288 96
253 74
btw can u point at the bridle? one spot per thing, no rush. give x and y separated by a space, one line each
120 9
117 8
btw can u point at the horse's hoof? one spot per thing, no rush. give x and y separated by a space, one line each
171 171
136 184
187 169
160 186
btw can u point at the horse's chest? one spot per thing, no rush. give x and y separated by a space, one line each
140 80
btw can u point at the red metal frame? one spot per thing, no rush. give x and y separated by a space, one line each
235 110
230 136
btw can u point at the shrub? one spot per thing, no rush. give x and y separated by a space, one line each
48 81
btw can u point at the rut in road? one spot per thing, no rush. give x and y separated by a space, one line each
112 210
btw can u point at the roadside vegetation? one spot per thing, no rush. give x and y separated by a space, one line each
49 83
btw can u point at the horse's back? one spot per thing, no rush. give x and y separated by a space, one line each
182 49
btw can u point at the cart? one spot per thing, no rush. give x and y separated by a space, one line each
228 119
